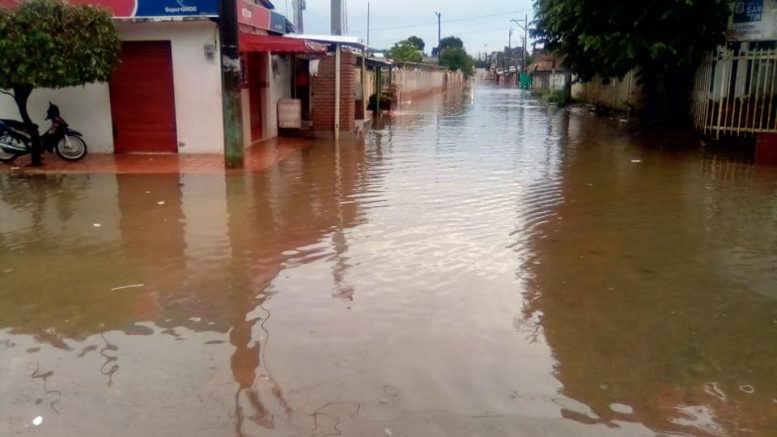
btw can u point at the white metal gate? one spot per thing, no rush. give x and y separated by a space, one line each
734 93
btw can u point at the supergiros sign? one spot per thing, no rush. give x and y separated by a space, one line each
155 8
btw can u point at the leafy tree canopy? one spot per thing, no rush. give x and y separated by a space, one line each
662 39
450 41
47 43
405 51
456 58
417 42
610 37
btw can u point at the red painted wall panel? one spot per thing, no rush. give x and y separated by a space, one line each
143 99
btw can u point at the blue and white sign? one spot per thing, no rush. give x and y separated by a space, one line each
753 20
748 11
177 8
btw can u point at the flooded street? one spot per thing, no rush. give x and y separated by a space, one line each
484 265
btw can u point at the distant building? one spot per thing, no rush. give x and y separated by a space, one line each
506 65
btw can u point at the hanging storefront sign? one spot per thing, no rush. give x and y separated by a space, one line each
277 23
257 17
253 15
155 8
753 20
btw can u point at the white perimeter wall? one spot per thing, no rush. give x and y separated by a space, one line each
197 91
87 109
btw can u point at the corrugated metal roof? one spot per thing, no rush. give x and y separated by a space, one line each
351 41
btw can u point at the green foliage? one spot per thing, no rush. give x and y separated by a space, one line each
558 97
456 58
405 51
47 43
662 39
611 37
417 42
450 41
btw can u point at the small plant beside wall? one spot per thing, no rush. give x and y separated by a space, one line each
557 97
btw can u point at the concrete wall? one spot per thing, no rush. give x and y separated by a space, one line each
620 95
197 91
87 109
411 83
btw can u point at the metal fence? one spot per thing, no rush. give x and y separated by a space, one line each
734 93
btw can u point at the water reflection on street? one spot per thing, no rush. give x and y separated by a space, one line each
481 265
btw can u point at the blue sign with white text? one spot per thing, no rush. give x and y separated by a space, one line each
176 8
277 22
748 11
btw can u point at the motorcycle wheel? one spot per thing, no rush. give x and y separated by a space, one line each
71 148
4 155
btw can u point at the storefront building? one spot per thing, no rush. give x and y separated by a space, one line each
165 95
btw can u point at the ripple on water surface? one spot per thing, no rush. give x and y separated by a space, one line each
479 265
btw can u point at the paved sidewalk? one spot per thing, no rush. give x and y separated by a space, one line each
259 157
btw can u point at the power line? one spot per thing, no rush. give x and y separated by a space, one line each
458 20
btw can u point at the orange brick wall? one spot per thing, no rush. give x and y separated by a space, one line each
324 94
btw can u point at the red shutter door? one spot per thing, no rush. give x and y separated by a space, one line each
142 99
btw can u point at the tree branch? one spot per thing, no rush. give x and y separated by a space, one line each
8 93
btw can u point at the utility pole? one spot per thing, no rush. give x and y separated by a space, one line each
439 32
337 17
524 24
299 7
230 85
525 40
368 24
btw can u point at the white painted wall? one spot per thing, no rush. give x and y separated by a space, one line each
197 81
87 109
280 88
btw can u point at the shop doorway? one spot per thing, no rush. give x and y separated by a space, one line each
257 86
143 99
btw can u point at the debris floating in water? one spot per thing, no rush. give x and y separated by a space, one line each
747 389
161 202
38 421
125 287
636 161
622 409
97 225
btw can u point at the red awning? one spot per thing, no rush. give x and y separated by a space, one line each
277 44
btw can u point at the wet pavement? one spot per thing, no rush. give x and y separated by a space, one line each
482 265
260 157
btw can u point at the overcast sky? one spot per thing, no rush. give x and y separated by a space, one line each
482 24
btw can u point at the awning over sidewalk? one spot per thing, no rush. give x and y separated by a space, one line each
278 45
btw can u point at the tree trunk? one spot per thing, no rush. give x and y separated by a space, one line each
21 96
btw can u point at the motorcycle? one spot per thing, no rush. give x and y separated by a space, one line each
16 139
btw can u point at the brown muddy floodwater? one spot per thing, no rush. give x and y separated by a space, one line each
483 266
